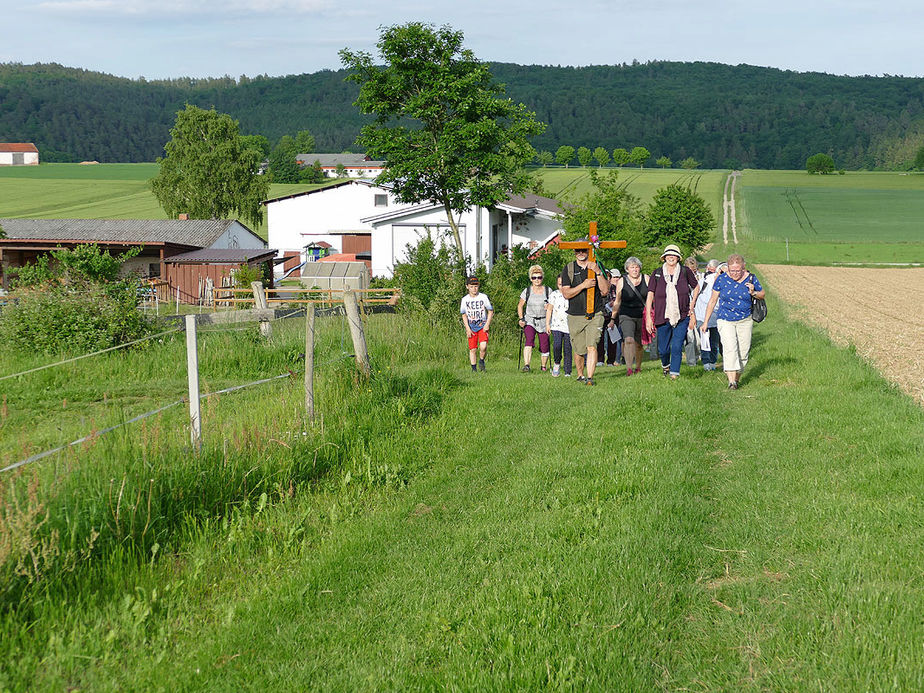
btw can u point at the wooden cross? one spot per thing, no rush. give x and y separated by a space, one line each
594 242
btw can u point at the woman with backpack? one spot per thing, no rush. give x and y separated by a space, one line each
532 312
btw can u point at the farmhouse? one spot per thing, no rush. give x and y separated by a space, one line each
358 216
18 154
354 165
160 240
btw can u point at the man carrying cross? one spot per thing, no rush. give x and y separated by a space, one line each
585 322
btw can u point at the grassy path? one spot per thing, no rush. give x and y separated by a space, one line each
644 534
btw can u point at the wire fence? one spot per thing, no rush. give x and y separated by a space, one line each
342 355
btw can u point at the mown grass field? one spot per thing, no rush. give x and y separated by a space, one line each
855 218
98 191
449 530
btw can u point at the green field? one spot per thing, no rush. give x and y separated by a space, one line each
99 191
857 217
428 537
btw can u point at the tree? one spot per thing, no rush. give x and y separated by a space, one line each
819 163
678 215
341 171
689 163
638 156
208 172
545 158
283 166
664 161
304 142
258 142
620 156
919 159
617 213
584 156
564 155
602 156
440 123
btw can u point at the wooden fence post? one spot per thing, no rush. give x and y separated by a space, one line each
356 331
259 297
192 372
309 362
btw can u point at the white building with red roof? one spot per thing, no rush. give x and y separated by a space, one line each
18 154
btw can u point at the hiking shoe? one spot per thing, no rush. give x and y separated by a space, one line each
581 379
590 381
481 366
733 386
525 369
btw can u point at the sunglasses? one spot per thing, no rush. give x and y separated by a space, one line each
537 276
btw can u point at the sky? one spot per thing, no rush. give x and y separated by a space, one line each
188 38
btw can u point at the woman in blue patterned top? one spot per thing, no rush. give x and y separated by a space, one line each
732 292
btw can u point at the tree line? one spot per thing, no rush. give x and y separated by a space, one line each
719 115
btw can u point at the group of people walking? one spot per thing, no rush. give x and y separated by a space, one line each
676 308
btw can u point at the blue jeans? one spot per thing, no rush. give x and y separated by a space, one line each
670 344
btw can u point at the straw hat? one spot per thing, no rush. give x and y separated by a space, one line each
672 250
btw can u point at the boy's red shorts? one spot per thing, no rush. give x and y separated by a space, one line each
479 336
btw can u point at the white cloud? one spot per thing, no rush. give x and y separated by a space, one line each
182 8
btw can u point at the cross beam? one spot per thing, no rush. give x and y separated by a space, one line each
589 245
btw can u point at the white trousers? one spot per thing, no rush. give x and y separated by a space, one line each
736 342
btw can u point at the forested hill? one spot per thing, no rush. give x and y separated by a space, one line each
721 115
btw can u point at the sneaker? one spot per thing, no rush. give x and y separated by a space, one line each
637 370
581 379
556 371
733 386
590 381
567 375
473 368
629 372
665 371
543 368
599 363
481 365
525 369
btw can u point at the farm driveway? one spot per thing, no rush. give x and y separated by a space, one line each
877 310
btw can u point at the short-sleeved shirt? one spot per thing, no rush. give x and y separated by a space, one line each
734 297
658 286
578 304
702 301
476 308
559 303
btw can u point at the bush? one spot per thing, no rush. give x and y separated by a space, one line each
819 163
678 215
73 301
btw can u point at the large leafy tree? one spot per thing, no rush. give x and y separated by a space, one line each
584 156
819 163
209 172
441 124
679 215
638 156
602 155
620 156
564 155
282 161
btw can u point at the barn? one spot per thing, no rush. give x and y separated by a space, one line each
18 154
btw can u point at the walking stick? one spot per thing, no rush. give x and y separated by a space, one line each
520 348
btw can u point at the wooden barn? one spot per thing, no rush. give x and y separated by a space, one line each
197 273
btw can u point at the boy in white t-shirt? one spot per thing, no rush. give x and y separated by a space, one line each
477 313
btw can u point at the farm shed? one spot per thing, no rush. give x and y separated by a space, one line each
18 154
354 165
197 272
158 239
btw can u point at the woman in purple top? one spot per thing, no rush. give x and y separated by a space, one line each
732 292
670 304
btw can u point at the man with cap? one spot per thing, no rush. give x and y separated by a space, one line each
672 293
584 330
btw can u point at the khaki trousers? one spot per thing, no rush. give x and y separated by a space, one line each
736 342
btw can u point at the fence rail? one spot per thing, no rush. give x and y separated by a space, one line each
296 295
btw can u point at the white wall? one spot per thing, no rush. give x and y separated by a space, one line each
238 236
29 158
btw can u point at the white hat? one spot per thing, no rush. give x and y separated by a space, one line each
614 272
672 250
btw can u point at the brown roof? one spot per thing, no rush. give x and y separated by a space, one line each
17 147
222 255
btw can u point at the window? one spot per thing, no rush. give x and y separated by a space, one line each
381 200
154 269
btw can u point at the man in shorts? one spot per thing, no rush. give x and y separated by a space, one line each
477 313
585 331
